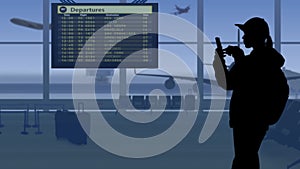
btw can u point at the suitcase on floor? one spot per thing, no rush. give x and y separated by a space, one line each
190 102
67 126
60 124
76 134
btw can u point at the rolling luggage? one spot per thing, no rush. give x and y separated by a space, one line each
67 126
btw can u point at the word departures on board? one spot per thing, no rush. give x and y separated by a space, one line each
104 35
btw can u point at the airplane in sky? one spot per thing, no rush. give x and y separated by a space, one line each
181 10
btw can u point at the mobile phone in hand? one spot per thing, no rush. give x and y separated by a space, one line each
219 46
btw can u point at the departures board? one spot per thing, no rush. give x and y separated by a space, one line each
104 35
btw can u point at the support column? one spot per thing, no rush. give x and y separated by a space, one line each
200 51
122 74
277 23
46 74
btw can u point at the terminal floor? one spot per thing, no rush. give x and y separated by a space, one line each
46 152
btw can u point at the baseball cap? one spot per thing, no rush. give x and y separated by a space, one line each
255 26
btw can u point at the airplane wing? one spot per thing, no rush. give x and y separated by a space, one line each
28 24
207 81
167 76
293 77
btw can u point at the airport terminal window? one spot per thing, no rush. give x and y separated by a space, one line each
183 53
219 20
15 16
59 79
289 26
21 50
290 52
173 45
21 72
169 8
220 17
209 51
290 42
215 17
21 59
59 76
208 70
163 42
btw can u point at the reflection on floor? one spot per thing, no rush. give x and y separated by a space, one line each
46 151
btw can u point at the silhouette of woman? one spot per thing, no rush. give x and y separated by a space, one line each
254 79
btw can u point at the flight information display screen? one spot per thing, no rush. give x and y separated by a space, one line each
104 35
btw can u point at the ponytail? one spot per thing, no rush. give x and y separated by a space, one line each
269 42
